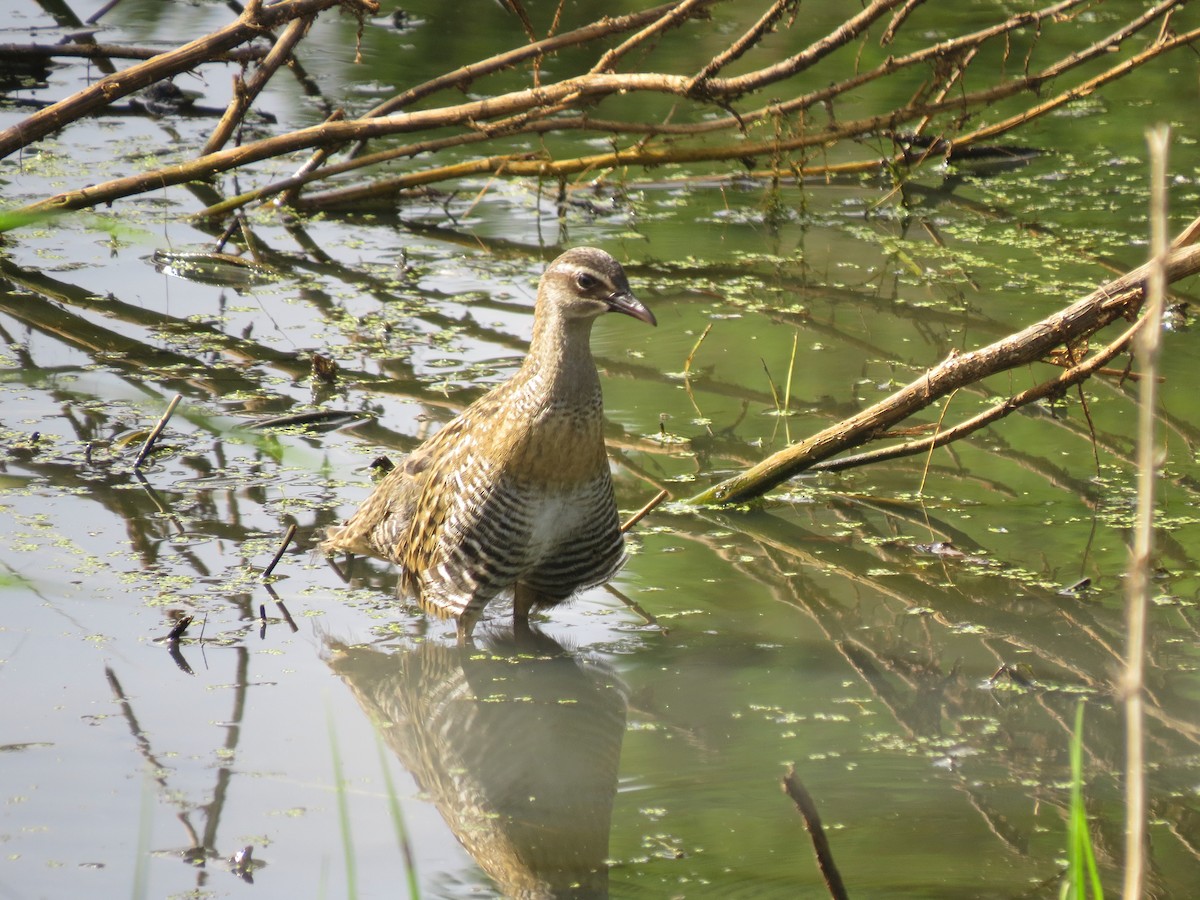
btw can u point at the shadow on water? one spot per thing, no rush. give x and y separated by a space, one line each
201 851
516 741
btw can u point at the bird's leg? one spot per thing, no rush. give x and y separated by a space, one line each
467 620
524 597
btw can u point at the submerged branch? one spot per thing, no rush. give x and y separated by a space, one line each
807 807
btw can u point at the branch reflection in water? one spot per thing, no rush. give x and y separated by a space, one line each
515 739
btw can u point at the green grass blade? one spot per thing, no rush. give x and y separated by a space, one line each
1081 860
414 890
339 782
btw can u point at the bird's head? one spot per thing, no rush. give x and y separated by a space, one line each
585 283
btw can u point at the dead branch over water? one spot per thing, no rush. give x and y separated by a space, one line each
709 121
1069 327
94 98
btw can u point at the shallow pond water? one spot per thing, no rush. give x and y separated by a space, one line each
905 636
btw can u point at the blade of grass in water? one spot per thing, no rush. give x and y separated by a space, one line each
398 822
1081 861
343 809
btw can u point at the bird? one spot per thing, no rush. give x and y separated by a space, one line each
515 492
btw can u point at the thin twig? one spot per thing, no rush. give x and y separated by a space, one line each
245 91
636 607
748 39
736 86
287 540
674 17
771 385
100 13
898 18
1188 235
787 387
156 431
645 510
1138 597
933 444
687 373
687 363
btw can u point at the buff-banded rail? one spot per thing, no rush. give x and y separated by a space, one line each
515 492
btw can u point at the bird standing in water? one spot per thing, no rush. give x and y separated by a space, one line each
515 492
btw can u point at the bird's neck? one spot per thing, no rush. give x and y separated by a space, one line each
560 360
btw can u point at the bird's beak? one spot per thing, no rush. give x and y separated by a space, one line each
625 302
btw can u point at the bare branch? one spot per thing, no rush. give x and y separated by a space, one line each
735 50
121 84
683 11
566 105
244 93
1074 375
115 51
1121 297
730 88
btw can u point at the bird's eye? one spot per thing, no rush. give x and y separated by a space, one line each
586 282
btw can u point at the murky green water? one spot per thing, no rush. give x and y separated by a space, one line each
851 628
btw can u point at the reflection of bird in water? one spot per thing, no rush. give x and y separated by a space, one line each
515 492
516 745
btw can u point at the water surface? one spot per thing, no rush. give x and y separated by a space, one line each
901 634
